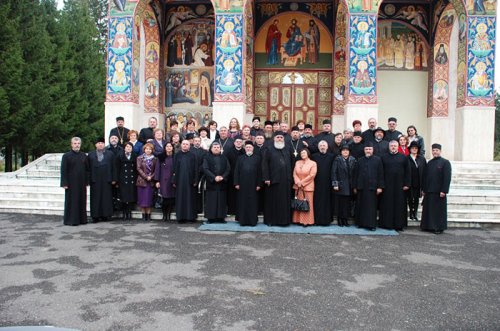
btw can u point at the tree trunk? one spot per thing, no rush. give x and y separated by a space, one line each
8 158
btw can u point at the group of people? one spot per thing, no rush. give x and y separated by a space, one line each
375 176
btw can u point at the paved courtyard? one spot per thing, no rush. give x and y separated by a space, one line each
157 276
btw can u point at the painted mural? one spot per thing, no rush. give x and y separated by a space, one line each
340 62
228 6
293 40
400 47
122 7
481 7
362 55
229 56
460 10
481 57
189 88
191 45
176 15
202 117
119 55
363 6
249 55
294 35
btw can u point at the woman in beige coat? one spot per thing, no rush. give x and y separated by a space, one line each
303 177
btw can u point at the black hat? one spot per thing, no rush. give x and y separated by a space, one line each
392 119
368 144
308 126
279 133
113 135
414 144
189 136
345 146
248 142
268 123
379 129
327 122
120 118
357 134
438 146
295 128
100 140
256 118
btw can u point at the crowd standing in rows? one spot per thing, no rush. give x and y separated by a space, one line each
375 176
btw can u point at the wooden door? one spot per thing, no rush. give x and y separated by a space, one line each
293 102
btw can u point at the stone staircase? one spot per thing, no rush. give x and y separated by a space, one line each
473 201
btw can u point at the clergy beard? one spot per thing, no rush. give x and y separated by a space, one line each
279 144
76 150
249 154
268 135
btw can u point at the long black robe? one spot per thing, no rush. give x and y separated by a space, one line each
127 175
248 175
260 150
437 179
357 150
342 177
323 211
200 154
277 168
102 174
215 199
417 167
393 213
232 155
368 176
74 175
185 177
326 136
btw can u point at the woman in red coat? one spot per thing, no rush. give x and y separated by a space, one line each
403 146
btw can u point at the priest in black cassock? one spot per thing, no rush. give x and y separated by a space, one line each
368 184
102 178
277 176
325 135
74 181
233 153
435 187
248 181
397 180
200 153
185 179
120 131
216 169
323 212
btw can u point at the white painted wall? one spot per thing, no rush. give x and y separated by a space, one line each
403 94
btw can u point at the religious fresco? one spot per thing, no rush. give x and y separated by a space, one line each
363 57
228 6
481 7
249 55
202 117
229 57
176 15
294 35
187 88
400 47
481 58
363 6
416 16
191 45
122 7
119 55
340 69
293 40
439 78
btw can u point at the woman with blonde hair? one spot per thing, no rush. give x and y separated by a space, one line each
303 177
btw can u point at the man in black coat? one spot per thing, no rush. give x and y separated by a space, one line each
256 129
357 147
368 184
295 145
393 213
368 134
435 186
148 133
184 180
342 182
226 142
277 176
74 169
380 146
325 135
248 182
323 211
216 170
102 178
232 155
308 138
200 155
120 131
391 133
417 167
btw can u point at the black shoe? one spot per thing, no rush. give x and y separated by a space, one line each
143 216
438 231
181 221
94 220
372 229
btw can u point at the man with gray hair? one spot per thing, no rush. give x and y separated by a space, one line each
323 211
74 181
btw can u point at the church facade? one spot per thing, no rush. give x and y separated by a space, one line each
427 63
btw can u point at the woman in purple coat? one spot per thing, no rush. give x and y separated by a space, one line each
146 166
163 177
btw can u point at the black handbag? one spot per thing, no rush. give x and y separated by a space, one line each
158 199
300 204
